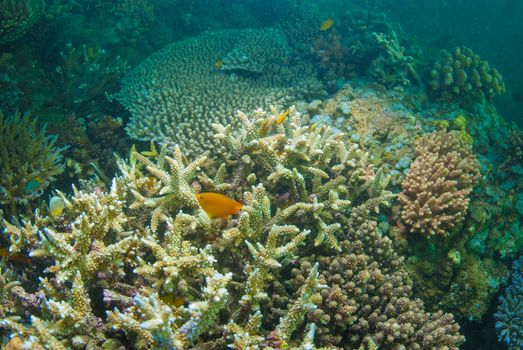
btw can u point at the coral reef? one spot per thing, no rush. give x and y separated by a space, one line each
144 259
509 317
365 43
29 160
10 93
435 192
176 94
370 296
80 82
17 17
461 75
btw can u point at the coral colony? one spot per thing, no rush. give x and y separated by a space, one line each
311 185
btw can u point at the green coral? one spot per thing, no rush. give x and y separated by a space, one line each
17 17
29 160
461 75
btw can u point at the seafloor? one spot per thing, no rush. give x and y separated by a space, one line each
213 175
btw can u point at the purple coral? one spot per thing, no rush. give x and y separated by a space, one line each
509 318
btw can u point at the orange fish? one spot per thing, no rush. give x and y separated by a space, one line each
326 24
282 117
217 204
16 257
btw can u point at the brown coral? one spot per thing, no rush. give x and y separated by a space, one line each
370 295
435 192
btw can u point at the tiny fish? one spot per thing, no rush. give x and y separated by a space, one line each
217 204
16 257
172 300
314 126
56 206
282 117
326 24
218 64
33 185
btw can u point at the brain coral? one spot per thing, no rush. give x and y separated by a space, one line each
177 93
462 74
434 196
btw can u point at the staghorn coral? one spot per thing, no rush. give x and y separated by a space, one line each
29 161
461 75
175 95
435 192
197 281
17 17
509 317
80 82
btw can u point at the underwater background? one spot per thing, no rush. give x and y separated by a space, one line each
261 174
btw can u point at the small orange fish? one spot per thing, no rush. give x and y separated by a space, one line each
326 24
217 204
218 64
282 117
16 257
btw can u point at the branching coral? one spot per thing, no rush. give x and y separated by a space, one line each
176 94
435 192
369 296
185 279
17 17
461 74
29 161
509 318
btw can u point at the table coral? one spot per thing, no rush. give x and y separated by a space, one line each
175 95
435 192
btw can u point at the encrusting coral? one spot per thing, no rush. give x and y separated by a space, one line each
435 192
29 161
176 94
129 278
461 74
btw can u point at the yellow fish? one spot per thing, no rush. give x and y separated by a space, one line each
172 300
282 117
218 64
16 257
56 206
326 24
217 204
